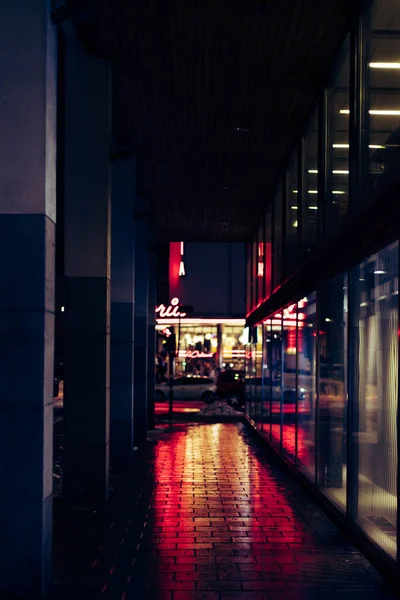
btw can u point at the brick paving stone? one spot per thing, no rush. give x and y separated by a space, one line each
216 521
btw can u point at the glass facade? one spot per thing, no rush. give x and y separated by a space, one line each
337 144
329 366
324 390
332 407
376 326
306 384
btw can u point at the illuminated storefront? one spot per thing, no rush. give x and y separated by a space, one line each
322 364
205 308
203 347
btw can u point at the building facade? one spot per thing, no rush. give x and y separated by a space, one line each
322 299
209 280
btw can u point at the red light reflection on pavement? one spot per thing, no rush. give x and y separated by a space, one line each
224 523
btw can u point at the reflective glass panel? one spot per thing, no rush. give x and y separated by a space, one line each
374 439
276 380
382 111
260 265
310 187
266 391
258 377
338 150
292 215
289 401
306 380
268 253
254 274
248 280
332 415
278 237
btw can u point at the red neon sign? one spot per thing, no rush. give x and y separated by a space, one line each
194 354
170 311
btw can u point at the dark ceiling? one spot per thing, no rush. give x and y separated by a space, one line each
211 95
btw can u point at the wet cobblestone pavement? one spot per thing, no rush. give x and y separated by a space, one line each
203 515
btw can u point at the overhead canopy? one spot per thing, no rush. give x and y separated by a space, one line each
210 95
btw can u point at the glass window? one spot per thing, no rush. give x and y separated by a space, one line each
292 215
376 287
268 253
332 411
306 381
276 379
249 305
251 389
260 265
233 350
266 391
258 378
277 232
337 188
382 110
247 380
254 273
310 187
289 407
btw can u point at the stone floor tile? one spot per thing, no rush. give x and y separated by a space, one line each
203 515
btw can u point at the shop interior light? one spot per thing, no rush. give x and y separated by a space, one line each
385 112
295 224
313 207
294 207
379 272
384 65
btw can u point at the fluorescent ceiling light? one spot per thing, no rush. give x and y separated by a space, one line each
372 146
316 192
313 207
379 272
385 112
335 172
338 192
384 65
293 207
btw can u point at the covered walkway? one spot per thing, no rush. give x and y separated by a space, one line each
204 514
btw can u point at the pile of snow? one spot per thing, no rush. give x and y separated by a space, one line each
219 408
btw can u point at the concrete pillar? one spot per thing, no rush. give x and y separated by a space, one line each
141 327
27 258
87 276
151 332
122 311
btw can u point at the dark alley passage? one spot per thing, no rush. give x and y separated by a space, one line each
203 515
